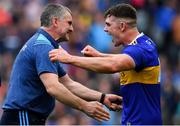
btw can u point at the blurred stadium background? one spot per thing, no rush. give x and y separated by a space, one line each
160 19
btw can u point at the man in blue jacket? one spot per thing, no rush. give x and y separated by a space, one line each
36 82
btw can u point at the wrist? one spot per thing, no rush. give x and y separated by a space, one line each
103 95
100 54
82 106
70 59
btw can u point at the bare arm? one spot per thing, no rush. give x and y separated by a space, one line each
62 94
80 90
110 64
89 94
106 55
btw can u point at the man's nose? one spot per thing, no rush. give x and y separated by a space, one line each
105 29
71 29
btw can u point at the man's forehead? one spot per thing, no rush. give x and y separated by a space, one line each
68 16
110 18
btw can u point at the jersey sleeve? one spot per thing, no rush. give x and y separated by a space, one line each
43 63
137 54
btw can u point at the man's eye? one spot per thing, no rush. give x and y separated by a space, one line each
108 24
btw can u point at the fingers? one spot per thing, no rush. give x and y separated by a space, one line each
85 48
119 98
53 51
96 111
101 105
53 59
100 118
115 99
115 107
82 52
113 102
60 46
53 56
103 113
87 51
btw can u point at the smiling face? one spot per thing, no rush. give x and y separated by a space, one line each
64 27
115 28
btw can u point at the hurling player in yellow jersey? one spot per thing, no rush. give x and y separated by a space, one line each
138 65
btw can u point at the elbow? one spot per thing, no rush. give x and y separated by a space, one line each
114 69
51 90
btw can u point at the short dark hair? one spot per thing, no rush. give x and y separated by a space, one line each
122 11
52 10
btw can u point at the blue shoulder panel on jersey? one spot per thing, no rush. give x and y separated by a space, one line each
42 40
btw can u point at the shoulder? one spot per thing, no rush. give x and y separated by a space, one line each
42 44
132 48
42 40
146 43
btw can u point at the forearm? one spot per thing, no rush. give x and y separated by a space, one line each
63 95
83 92
97 64
106 55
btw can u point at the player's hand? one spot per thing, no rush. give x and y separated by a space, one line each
60 55
113 102
90 51
95 110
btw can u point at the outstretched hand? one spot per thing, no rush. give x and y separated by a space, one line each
90 51
60 55
113 102
95 110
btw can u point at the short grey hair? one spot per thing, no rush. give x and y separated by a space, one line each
53 10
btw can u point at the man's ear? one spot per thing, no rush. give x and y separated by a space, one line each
122 26
54 21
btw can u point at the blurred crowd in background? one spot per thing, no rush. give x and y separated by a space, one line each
159 19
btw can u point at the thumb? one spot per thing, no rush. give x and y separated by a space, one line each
85 49
85 52
60 46
82 52
107 102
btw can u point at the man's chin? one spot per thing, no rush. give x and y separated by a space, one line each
116 45
62 40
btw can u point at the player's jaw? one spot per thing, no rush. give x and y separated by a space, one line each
65 36
115 42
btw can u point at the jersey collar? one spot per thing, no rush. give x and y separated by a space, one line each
134 40
51 39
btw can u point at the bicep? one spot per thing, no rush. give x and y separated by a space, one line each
124 62
42 61
49 80
66 80
137 55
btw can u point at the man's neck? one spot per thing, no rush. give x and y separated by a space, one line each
50 32
131 35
